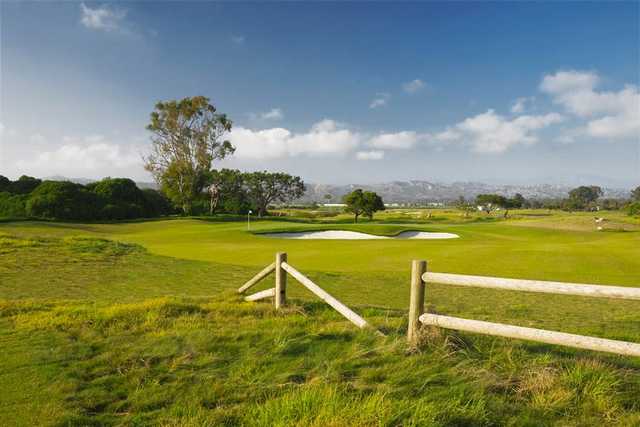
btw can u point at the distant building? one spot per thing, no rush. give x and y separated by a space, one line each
334 205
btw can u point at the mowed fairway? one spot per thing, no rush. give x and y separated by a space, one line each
148 331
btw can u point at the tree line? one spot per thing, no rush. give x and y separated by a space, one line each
583 198
107 199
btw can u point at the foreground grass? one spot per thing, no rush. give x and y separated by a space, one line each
96 332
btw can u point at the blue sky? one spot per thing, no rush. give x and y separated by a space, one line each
355 92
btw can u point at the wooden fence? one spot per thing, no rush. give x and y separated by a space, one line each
279 291
420 276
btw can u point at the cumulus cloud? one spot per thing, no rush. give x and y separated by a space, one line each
89 156
102 18
492 133
413 86
370 155
520 105
325 138
380 100
609 114
395 141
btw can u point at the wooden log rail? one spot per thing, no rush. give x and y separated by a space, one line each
419 278
533 286
531 334
324 296
279 291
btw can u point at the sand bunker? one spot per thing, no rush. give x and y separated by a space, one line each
354 235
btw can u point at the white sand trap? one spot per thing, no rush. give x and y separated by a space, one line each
354 235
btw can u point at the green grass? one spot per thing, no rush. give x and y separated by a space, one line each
138 324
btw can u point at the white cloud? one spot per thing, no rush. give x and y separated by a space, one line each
447 135
520 104
380 100
491 133
91 156
569 81
238 39
102 18
413 86
273 114
325 138
609 114
370 155
395 141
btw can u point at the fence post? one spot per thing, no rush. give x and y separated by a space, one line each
281 280
416 304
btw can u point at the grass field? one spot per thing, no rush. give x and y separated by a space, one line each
137 324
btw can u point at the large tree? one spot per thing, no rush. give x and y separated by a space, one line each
226 191
265 187
490 202
581 196
635 194
362 203
187 136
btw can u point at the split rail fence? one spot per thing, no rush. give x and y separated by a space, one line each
420 277
279 291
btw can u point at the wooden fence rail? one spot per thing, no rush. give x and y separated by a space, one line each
531 334
420 277
533 286
279 291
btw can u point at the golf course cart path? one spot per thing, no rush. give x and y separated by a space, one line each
354 235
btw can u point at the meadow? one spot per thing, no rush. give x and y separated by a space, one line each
138 323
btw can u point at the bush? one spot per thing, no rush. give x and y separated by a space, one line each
63 200
155 204
24 185
13 206
633 209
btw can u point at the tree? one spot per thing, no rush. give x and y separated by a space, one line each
122 197
5 184
635 194
491 201
155 203
187 136
362 203
517 201
226 191
63 200
265 187
584 195
372 204
24 185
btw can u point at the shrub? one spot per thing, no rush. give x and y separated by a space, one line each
155 204
633 209
63 200
13 206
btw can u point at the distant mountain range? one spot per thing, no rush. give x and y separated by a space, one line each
425 191
418 191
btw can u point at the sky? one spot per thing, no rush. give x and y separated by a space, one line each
512 93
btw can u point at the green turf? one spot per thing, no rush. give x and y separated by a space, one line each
137 324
